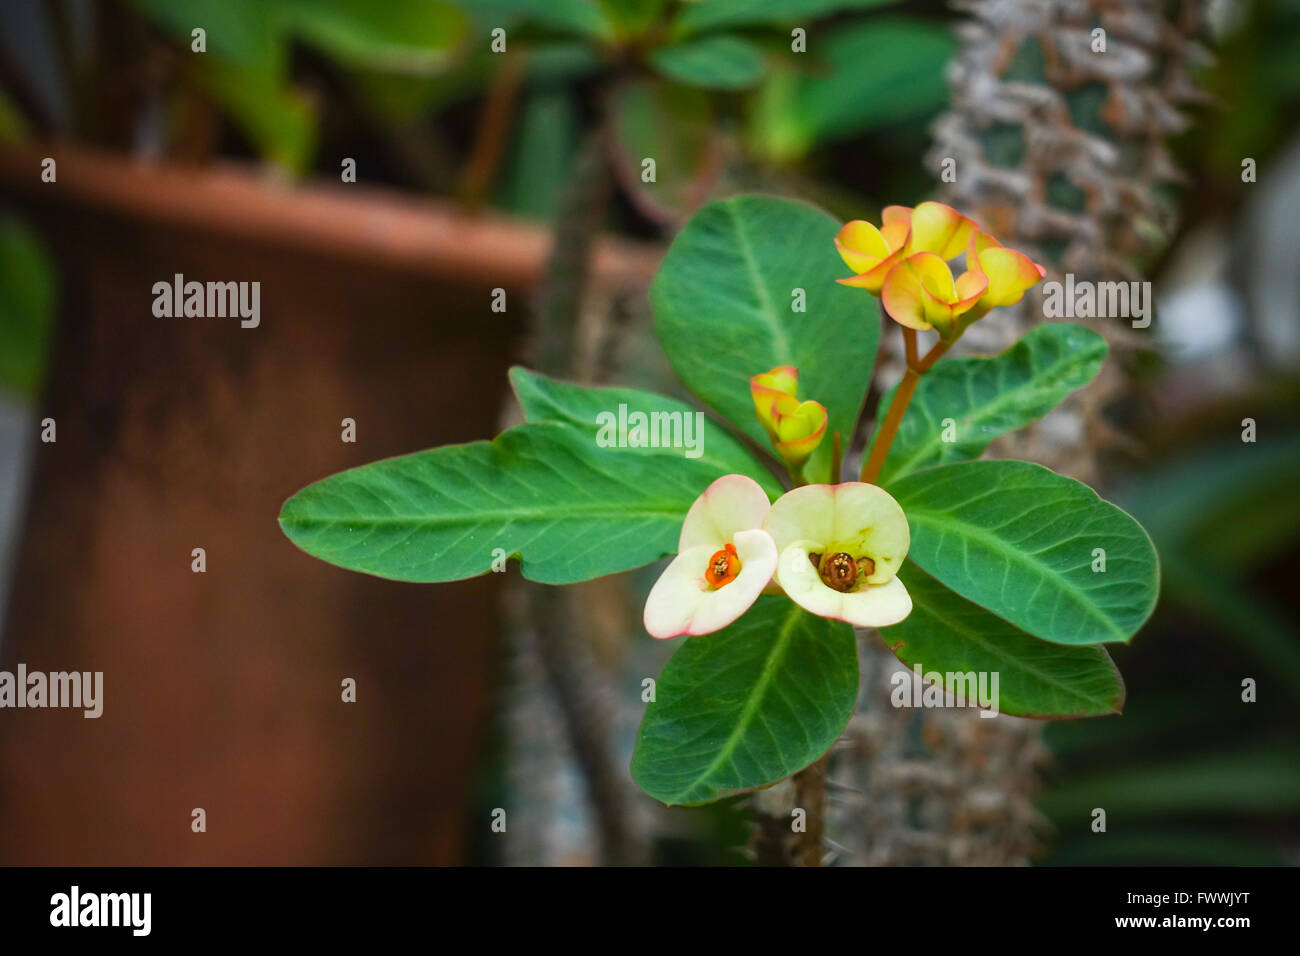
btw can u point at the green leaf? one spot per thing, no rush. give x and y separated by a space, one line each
712 63
26 307
1022 542
712 14
541 161
988 397
277 120
403 36
723 303
675 125
863 77
247 33
544 492
1218 515
1264 779
633 16
547 400
748 705
13 125
1175 845
947 634
581 17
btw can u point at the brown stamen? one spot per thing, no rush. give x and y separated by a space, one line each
840 572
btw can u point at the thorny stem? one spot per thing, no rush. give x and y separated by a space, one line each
810 795
810 782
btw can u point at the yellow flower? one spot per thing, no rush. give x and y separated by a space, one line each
872 252
796 428
1010 273
920 293
905 263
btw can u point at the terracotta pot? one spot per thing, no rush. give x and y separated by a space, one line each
222 690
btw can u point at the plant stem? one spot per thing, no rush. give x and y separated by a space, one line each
810 782
810 796
909 345
889 427
490 138
898 406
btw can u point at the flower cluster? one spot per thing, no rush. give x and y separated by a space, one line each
834 550
905 262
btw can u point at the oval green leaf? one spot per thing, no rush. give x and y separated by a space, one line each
698 17
724 303
1023 542
988 397
401 36
546 493
627 417
585 18
711 63
676 125
948 635
748 705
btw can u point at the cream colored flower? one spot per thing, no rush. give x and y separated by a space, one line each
724 560
840 548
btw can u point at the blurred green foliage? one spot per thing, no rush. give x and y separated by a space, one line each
407 61
871 74
1255 83
26 308
1192 774
249 42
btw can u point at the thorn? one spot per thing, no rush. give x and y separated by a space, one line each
838 849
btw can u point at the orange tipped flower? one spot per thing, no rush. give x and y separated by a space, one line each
796 428
770 386
799 428
921 293
1009 273
939 229
872 252
905 263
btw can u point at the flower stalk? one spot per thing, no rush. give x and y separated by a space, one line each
902 398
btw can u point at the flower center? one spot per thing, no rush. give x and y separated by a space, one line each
723 567
839 571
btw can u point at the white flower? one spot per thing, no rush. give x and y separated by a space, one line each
724 560
840 549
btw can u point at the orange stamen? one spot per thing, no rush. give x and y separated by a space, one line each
723 567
